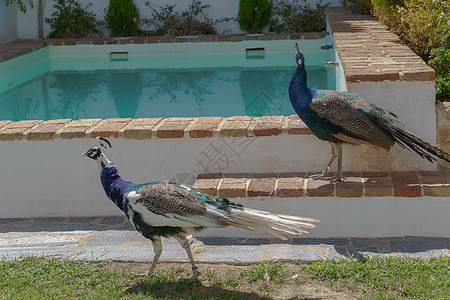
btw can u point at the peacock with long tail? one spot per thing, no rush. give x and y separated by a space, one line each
170 209
343 117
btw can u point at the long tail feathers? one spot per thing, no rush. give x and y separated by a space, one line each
407 140
282 226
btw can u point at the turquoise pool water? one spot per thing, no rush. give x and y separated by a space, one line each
121 91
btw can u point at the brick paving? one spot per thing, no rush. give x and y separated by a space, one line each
113 238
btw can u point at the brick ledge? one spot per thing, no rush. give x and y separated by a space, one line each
370 52
357 184
147 128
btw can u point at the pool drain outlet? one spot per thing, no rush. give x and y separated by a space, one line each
118 56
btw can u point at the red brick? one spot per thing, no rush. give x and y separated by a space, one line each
378 187
76 129
433 173
268 126
167 39
152 39
173 128
109 127
350 187
223 38
261 187
204 127
296 126
371 174
235 126
208 186
404 189
140 128
139 40
99 41
209 38
237 38
232 187
16 130
290 187
4 123
210 176
319 188
46 130
407 176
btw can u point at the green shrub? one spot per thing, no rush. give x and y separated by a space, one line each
441 64
71 20
122 18
363 7
166 21
424 23
254 15
387 12
296 17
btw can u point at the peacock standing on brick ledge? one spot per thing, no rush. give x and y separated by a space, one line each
163 208
342 117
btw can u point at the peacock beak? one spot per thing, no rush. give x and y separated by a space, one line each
84 154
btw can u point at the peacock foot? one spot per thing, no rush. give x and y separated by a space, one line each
324 176
195 273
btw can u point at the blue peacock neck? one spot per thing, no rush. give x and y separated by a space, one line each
299 93
115 187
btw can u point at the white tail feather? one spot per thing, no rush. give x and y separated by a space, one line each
282 226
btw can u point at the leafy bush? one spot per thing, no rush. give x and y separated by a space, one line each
254 15
424 23
71 20
387 12
363 7
441 64
166 21
22 5
296 17
122 18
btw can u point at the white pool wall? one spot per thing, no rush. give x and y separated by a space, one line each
159 55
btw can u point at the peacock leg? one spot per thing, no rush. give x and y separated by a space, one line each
338 177
157 248
185 244
336 152
323 175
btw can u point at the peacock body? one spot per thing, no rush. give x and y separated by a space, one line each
343 117
170 209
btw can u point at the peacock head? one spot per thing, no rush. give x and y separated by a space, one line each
299 58
95 152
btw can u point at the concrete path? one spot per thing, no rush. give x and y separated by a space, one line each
113 238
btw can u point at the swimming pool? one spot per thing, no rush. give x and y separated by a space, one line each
61 83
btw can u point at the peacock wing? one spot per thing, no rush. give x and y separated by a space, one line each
168 198
172 204
357 117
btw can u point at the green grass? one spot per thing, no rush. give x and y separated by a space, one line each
53 278
369 277
390 277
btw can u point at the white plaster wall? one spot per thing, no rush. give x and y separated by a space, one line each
8 22
27 27
356 217
414 103
49 178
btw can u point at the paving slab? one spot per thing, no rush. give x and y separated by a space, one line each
127 246
113 238
18 244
